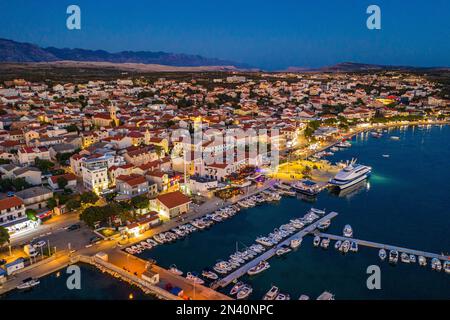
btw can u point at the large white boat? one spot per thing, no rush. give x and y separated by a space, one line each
28 283
260 267
348 231
272 293
350 175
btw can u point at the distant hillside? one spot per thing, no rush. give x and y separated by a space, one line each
12 51
359 67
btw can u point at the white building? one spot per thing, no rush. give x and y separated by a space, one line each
95 174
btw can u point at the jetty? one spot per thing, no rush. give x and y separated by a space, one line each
385 246
225 281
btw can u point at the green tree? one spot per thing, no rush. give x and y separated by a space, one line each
20 184
43 165
52 203
140 202
92 215
62 182
4 236
89 197
73 204
31 214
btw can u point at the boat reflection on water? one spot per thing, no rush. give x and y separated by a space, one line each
351 191
306 198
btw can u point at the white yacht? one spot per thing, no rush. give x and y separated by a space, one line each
382 254
295 243
350 175
260 267
316 241
272 293
422 261
244 292
348 231
28 283
173 269
325 243
436 264
193 278
393 256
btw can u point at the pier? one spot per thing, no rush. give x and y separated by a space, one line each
385 246
270 252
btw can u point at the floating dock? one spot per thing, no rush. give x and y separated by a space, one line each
270 252
385 246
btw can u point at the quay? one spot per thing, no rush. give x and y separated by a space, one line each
225 281
385 246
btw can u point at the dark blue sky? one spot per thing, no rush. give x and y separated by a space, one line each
267 34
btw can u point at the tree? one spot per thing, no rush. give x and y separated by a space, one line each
20 184
140 202
43 165
62 182
89 197
31 214
52 203
73 204
92 215
4 236
72 128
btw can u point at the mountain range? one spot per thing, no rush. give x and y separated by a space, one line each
19 52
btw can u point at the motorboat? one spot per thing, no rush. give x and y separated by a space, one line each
272 293
344 144
345 247
404 257
307 187
316 241
193 278
318 211
395 138
303 297
235 289
244 292
283 250
325 243
173 269
210 275
436 264
412 258
338 244
382 254
283 296
326 296
28 283
376 134
350 175
422 261
447 266
393 256
354 246
295 243
260 267
348 231
323 225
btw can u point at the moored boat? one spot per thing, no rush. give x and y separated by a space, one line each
272 293
260 267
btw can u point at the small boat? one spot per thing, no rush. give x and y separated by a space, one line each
324 224
447 266
283 250
283 296
295 243
345 247
344 144
348 231
303 297
271 294
412 258
422 261
382 254
436 264
385 156
244 292
326 296
28 283
260 267
318 211
173 269
395 138
325 243
404 257
193 278
209 275
354 247
393 256
316 241
376 134
235 289
338 244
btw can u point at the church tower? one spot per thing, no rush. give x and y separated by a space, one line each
113 114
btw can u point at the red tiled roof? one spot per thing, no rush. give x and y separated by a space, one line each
173 199
10 202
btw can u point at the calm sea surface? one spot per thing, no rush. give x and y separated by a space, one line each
406 202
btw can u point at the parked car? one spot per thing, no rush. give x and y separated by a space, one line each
95 240
39 244
73 227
